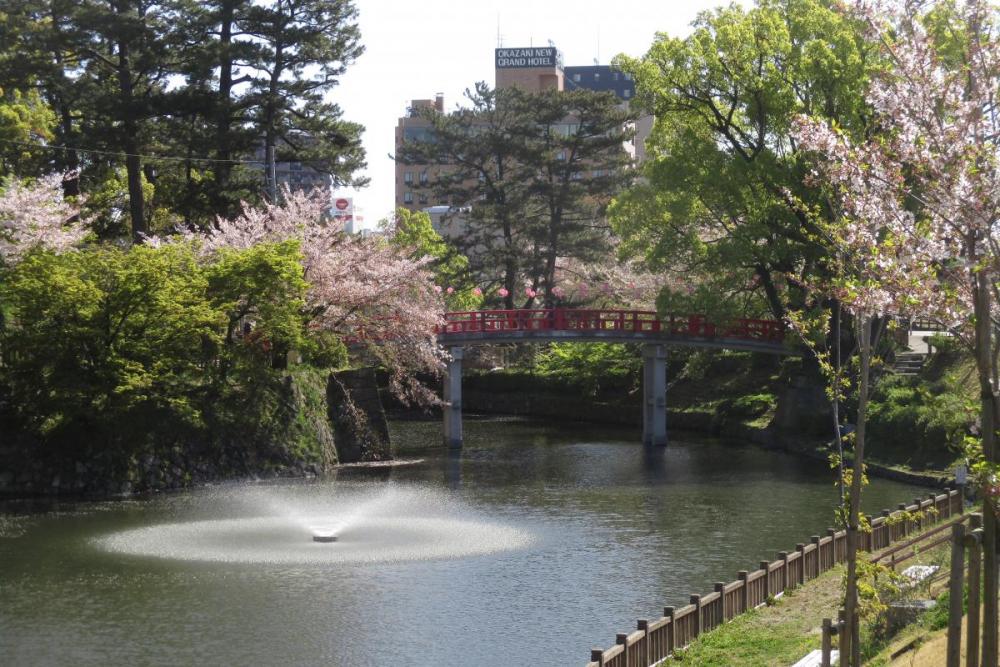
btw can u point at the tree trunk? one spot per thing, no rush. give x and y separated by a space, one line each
771 293
988 419
130 127
223 123
837 313
853 529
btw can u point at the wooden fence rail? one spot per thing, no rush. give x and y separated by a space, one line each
655 640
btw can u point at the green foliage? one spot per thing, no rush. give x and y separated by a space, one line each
414 231
123 348
590 365
921 424
944 344
25 119
753 405
714 206
107 339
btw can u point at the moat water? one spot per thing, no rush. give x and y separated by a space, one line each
535 544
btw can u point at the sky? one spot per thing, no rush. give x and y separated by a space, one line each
417 48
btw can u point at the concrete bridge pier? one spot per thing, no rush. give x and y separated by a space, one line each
654 395
453 399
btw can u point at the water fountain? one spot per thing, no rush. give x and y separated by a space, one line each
320 524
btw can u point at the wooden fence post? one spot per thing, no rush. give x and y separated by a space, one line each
825 657
767 579
597 655
842 637
696 601
905 522
972 643
816 565
886 532
742 576
643 624
832 534
672 635
954 656
783 555
947 502
802 563
720 588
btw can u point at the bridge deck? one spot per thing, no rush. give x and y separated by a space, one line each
621 326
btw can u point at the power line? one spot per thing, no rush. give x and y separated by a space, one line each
162 158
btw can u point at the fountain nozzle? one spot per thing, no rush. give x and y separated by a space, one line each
328 537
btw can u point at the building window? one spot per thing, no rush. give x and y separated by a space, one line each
423 178
423 199
576 77
561 155
407 177
597 76
627 93
407 197
616 76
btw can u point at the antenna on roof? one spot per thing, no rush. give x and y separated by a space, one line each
499 36
597 60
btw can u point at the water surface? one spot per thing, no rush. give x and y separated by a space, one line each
540 542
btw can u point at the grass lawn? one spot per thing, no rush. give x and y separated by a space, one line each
776 635
780 634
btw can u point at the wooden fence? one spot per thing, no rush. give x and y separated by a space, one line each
655 640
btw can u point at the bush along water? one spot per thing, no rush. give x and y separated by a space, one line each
127 369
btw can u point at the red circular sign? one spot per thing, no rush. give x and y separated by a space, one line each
342 204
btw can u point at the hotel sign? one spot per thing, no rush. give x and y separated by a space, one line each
543 56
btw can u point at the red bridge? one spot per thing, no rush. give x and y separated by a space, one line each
482 327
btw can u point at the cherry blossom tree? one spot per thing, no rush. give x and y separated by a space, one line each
37 215
921 199
369 292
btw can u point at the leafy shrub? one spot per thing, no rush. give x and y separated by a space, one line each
917 423
126 348
591 366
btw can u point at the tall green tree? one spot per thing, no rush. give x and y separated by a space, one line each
530 175
131 44
303 48
579 162
718 202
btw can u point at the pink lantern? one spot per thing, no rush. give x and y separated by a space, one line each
503 292
450 290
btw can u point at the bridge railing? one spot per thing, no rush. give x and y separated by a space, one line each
625 321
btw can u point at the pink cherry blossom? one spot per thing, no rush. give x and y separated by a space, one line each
359 287
38 216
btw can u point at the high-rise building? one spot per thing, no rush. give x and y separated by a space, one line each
534 70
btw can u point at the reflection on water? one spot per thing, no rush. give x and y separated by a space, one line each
601 531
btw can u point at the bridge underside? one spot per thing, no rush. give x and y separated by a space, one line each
468 339
654 396
644 328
